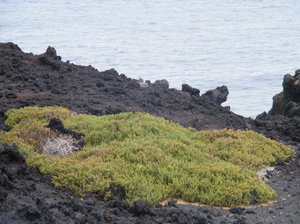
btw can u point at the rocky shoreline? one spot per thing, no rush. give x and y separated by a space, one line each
29 197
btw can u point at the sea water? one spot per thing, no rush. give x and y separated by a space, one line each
247 45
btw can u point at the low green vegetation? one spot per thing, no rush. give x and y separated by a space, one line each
152 158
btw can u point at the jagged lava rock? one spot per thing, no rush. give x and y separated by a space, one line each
288 102
218 95
45 80
190 90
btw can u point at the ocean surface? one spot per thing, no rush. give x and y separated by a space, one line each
247 45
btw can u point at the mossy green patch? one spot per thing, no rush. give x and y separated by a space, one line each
152 158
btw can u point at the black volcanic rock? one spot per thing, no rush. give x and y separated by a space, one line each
218 95
278 127
288 101
45 80
56 124
190 90
10 154
164 84
2 120
141 208
12 164
51 52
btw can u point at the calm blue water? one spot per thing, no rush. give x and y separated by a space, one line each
247 45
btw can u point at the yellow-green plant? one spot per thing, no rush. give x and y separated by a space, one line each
152 158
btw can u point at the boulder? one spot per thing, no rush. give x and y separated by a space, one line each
218 95
51 52
190 90
164 84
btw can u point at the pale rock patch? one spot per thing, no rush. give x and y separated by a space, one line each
59 146
264 172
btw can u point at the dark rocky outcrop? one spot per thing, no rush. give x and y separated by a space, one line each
45 80
190 90
10 154
287 102
164 84
278 127
218 95
12 164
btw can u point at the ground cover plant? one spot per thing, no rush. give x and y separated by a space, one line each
152 158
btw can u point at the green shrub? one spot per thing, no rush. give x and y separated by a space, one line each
152 158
